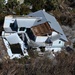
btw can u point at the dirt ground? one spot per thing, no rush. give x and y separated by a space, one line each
3 51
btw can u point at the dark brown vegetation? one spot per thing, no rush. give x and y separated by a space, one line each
63 64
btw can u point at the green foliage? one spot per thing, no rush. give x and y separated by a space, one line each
66 20
22 60
2 2
24 9
28 2
50 5
37 5
31 53
65 65
12 4
26 57
42 4
42 49
2 6
14 7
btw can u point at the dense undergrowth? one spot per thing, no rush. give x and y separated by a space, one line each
62 64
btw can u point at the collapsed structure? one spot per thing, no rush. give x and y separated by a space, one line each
36 30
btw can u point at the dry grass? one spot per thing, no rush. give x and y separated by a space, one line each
63 64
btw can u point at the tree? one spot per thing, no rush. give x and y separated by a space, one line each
2 7
42 4
14 7
2 2
11 5
37 5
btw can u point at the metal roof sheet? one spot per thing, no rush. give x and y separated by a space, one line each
25 22
51 20
55 25
38 14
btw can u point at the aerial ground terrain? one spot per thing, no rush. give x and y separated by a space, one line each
63 63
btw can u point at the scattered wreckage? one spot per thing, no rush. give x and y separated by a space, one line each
36 30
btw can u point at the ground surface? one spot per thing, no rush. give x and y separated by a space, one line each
3 51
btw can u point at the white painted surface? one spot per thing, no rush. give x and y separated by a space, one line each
55 49
7 21
56 46
13 38
11 55
41 38
58 43
6 1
